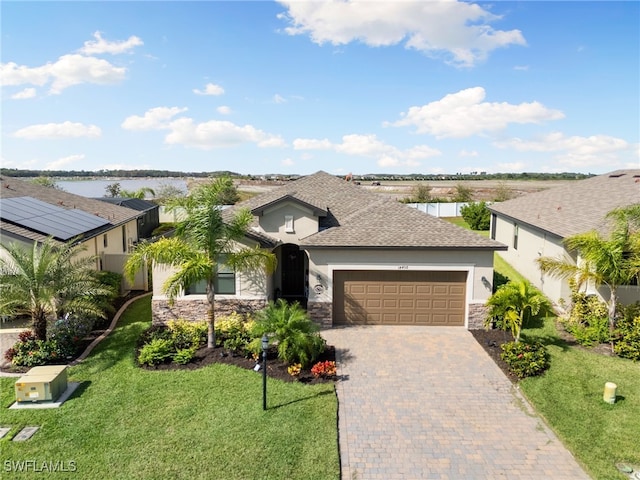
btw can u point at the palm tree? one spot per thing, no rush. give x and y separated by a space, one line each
611 262
141 193
203 243
516 302
46 281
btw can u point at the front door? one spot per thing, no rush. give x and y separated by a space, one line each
292 263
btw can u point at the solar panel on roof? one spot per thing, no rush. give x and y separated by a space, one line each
48 219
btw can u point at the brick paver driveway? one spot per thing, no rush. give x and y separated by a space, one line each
427 402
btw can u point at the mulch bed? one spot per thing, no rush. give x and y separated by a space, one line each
490 341
276 368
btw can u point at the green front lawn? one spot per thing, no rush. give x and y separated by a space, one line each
569 397
125 422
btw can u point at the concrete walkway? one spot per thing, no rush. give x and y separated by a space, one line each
427 402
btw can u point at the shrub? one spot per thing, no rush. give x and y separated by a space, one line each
324 369
155 352
627 333
291 329
477 216
185 355
186 334
588 319
525 359
233 333
31 352
69 332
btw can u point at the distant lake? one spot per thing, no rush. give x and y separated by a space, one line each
97 188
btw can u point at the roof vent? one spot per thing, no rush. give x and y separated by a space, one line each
616 175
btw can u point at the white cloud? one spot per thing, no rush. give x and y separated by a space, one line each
61 162
370 146
468 153
153 119
279 99
58 130
68 70
522 68
100 45
216 134
72 69
575 151
312 144
223 110
287 162
458 31
464 113
24 94
205 135
210 89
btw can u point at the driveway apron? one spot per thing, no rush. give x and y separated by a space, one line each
428 402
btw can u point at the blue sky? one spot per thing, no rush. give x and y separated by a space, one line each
295 87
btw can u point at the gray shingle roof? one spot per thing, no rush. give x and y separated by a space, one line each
357 218
12 187
577 207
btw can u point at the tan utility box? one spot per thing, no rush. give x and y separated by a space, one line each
42 384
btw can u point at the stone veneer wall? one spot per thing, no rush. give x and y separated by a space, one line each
321 313
477 315
196 310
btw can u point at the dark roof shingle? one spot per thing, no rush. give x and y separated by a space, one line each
357 218
577 207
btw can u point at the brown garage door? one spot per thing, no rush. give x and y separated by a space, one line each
399 297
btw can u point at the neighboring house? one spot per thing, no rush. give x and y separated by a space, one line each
351 257
149 219
536 224
32 213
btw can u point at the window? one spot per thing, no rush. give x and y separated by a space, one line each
124 238
224 283
288 223
105 243
515 236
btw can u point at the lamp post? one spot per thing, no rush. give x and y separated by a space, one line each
265 346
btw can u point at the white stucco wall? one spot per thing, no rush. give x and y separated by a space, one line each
273 222
533 244
249 285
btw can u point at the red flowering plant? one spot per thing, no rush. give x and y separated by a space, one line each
324 369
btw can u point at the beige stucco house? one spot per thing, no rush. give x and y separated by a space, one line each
351 256
535 225
32 213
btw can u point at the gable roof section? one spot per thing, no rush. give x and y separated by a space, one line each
11 188
316 209
134 203
357 218
577 207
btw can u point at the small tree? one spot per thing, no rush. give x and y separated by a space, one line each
502 193
514 304
476 215
421 193
113 190
611 262
463 194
